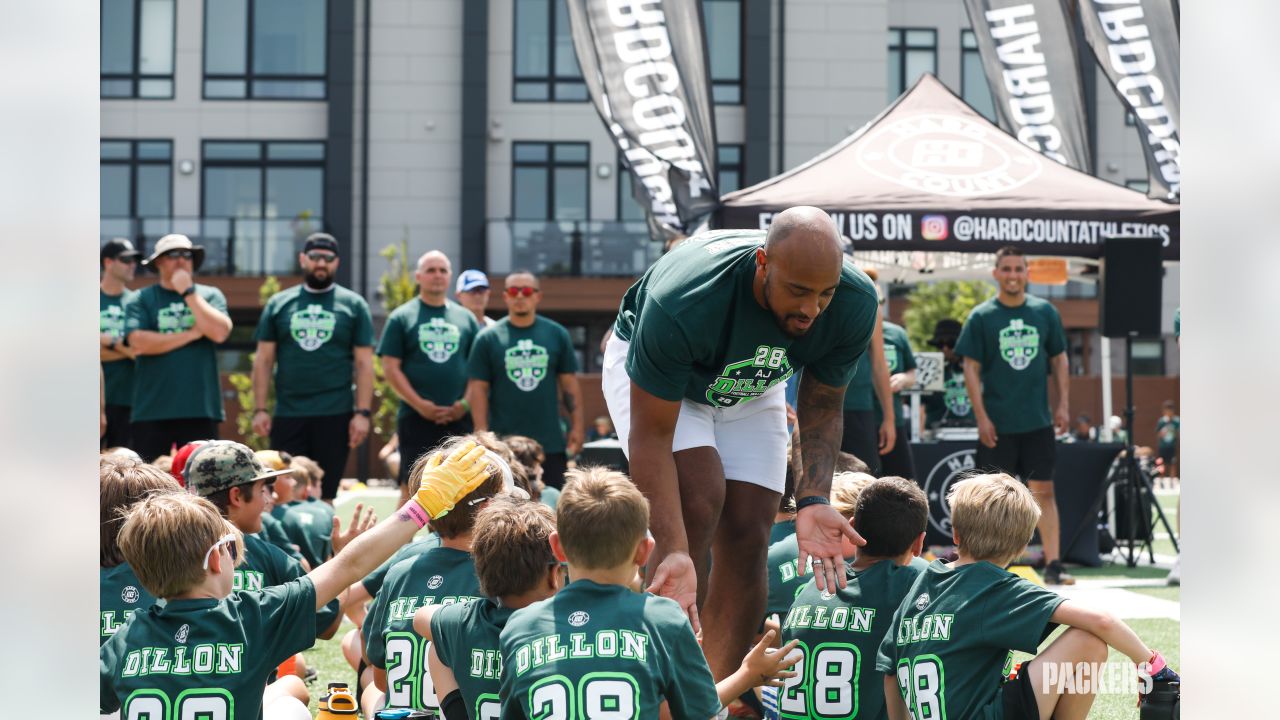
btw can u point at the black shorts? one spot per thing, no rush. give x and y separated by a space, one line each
1018 696
897 462
322 438
153 438
554 467
418 435
862 438
1026 456
1167 453
119 433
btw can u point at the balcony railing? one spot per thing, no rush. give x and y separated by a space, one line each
571 247
232 246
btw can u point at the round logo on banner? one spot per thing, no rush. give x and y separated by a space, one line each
946 471
945 155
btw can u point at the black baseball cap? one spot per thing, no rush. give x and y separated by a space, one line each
321 241
946 332
116 248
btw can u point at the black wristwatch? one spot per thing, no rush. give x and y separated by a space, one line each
188 291
805 502
364 411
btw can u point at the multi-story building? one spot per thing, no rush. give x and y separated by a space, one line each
464 125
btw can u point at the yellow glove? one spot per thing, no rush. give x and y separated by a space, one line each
445 481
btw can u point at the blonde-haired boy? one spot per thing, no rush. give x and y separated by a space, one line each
961 620
207 649
598 648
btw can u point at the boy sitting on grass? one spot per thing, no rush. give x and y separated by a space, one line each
836 632
207 651
948 650
599 649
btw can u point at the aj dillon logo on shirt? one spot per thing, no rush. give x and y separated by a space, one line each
1019 344
526 364
312 327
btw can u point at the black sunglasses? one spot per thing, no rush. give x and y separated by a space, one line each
315 256
180 254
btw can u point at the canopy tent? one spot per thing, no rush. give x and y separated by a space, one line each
932 175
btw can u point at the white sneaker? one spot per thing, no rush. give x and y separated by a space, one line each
1175 572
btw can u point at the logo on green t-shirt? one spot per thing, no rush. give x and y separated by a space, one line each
111 321
526 364
956 396
312 327
1019 344
746 380
891 356
175 318
130 594
439 339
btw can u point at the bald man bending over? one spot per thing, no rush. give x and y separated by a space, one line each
694 377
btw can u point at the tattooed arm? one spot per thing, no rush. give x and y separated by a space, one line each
819 528
571 393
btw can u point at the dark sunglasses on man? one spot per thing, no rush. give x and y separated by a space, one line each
180 254
324 257
524 290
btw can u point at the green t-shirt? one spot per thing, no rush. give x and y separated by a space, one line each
839 636
595 651
120 595
466 641
412 549
266 565
1167 430
181 383
951 407
315 334
440 576
117 375
781 530
950 641
309 525
860 395
1014 346
898 355
273 532
433 344
697 332
521 366
205 658
784 577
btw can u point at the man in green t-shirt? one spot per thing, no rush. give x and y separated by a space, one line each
694 377
1011 344
902 376
118 261
951 407
523 371
1167 429
174 327
869 430
424 349
317 335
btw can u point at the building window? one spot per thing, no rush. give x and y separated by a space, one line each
265 49
137 49
135 180
549 181
729 178
1148 357
544 63
973 77
722 24
912 53
1141 186
261 200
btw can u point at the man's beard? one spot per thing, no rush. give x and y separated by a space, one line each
781 320
316 282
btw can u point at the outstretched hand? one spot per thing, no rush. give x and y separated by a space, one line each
676 578
819 529
767 666
445 481
361 520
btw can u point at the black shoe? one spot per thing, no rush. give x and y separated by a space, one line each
1055 575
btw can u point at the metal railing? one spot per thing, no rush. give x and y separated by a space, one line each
601 248
232 246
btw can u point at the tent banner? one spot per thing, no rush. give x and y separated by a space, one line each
645 67
1029 53
983 232
1136 43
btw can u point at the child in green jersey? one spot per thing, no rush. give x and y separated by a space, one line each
206 651
596 648
949 648
122 482
839 634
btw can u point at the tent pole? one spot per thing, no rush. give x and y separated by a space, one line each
1104 432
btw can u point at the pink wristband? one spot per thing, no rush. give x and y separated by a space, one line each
1155 664
413 511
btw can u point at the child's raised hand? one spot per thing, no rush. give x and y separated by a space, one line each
768 666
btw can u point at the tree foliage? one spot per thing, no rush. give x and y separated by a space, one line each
243 382
929 303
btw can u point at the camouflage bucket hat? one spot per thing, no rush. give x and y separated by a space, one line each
224 464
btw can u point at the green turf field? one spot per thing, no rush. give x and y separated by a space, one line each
1161 633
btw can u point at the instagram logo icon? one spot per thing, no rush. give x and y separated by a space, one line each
933 227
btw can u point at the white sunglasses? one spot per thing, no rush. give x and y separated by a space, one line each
230 541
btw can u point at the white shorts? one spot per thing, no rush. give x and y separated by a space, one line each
751 438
